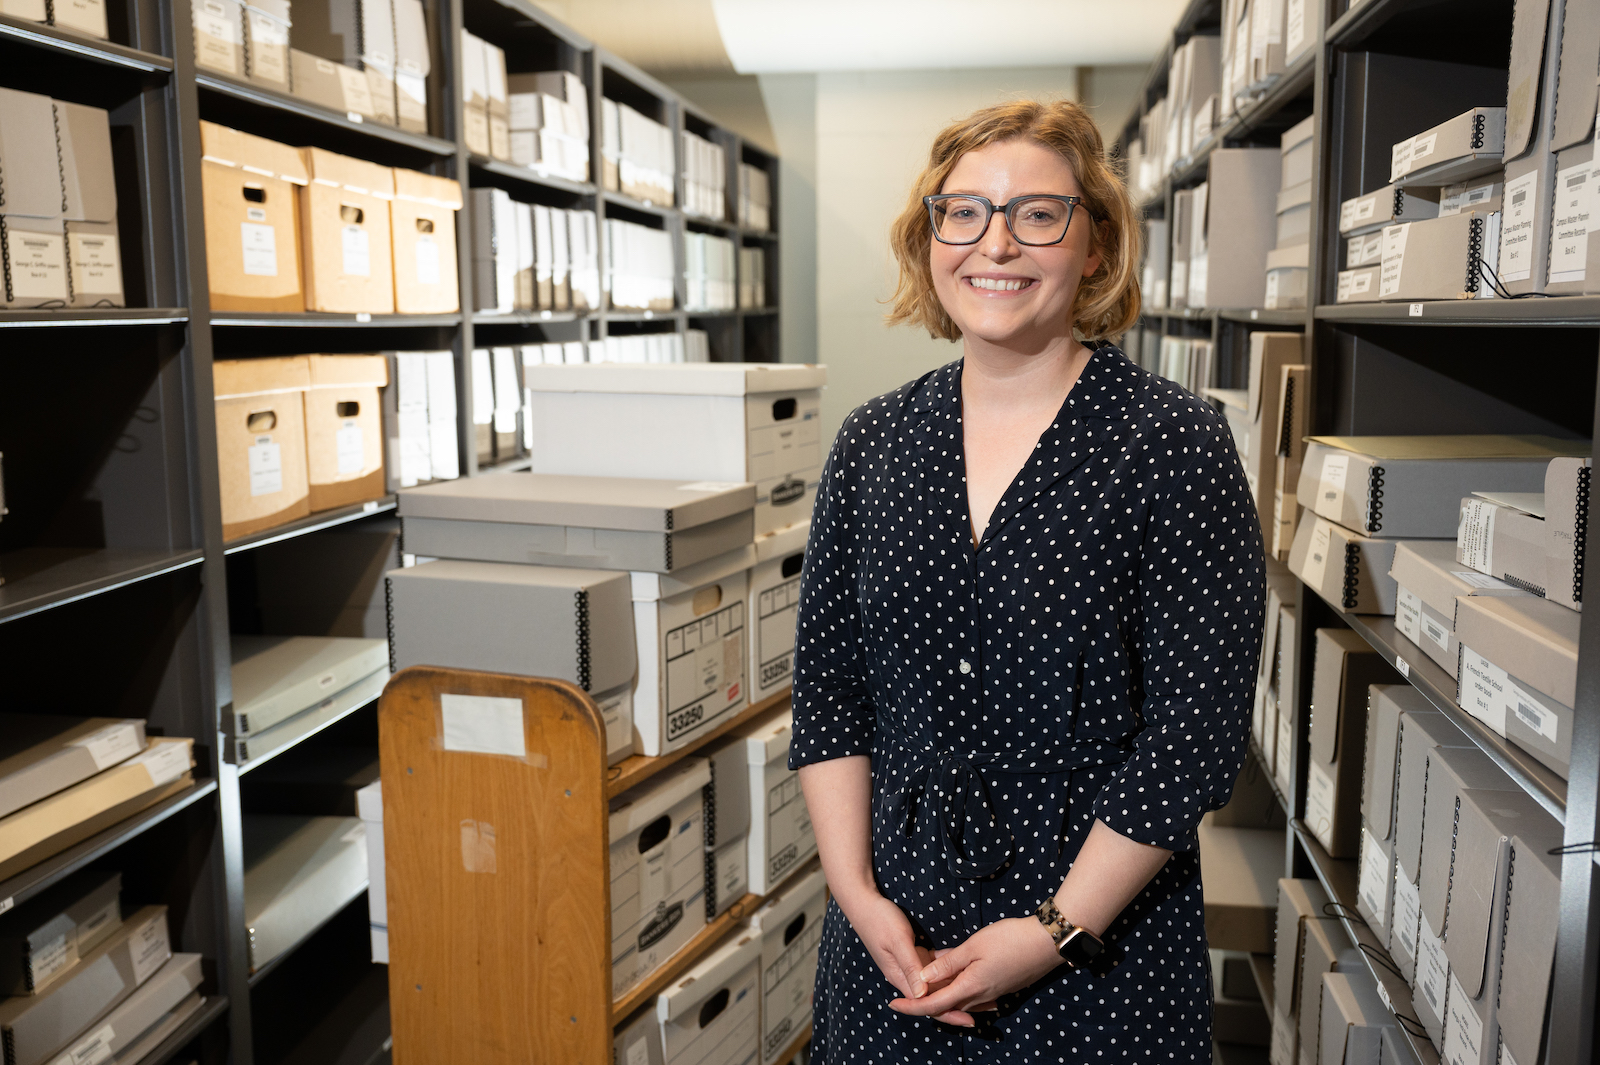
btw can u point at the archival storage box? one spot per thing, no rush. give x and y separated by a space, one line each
711 1015
276 678
89 193
1375 884
775 600
117 1035
1241 194
37 1027
624 523
781 836
252 220
692 649
1429 583
369 807
298 872
1410 487
1527 151
1239 867
1286 277
413 64
266 43
1320 947
1381 776
1269 353
424 230
1469 145
1300 903
1360 285
40 754
1530 538
1566 502
727 807
1285 708
1475 934
261 441
51 825
1529 945
1451 257
541 621
1385 207
1419 735
790 927
44 937
657 871
1453 772
1345 667
1347 569
713 421
344 222
1353 1019
218 27
31 229
1519 672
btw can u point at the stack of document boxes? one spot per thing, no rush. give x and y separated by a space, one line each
549 120
651 557
530 257
1287 263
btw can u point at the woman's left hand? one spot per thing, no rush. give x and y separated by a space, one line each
1006 956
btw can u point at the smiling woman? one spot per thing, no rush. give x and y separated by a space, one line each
1028 628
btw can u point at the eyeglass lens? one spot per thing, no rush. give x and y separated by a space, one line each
960 220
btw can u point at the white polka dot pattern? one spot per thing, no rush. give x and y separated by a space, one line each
1093 657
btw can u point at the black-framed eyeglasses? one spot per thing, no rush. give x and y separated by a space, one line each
1036 220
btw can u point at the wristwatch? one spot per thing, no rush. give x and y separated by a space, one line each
1077 946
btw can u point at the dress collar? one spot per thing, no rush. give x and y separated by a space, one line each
1104 390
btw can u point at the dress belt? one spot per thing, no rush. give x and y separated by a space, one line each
975 844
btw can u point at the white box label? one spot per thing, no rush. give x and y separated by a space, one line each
265 460
1394 257
1484 692
1330 489
481 724
1516 228
1531 712
150 946
96 265
1436 632
1463 1029
1294 27
1465 200
1407 910
1479 580
38 265
427 261
350 445
1433 967
1316 564
1319 803
91 1051
1408 614
1374 883
1421 148
357 251
1475 535
1569 228
165 762
260 248
1400 158
110 745
52 958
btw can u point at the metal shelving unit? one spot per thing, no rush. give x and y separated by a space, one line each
114 538
1367 361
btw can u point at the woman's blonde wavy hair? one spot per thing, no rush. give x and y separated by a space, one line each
1107 303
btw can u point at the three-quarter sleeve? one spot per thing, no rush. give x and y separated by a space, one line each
833 710
1201 593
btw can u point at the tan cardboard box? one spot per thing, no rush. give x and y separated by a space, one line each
1429 585
266 43
219 35
1300 904
380 87
87 17
1345 667
32 234
344 225
261 442
94 262
412 65
1240 867
1268 353
1519 672
1347 569
252 220
424 222
333 85
344 429
1529 945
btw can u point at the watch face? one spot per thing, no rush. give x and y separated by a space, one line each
1079 948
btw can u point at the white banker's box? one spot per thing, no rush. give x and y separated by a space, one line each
781 838
775 602
692 649
726 422
790 926
658 871
712 1015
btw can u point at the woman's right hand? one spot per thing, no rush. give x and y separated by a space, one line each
886 932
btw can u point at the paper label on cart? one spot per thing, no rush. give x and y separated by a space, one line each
350 444
1436 632
50 959
1330 489
1516 227
1484 690
110 745
427 252
1463 1028
165 762
260 247
1374 882
1407 910
1394 258
482 724
1475 535
265 461
1569 228
151 948
357 251
91 1051
1408 613
1531 712
96 264
1433 967
1478 580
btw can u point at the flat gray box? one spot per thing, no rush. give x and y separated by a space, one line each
1420 734
278 677
1385 207
298 872
1441 258
1241 224
1429 571
619 523
125 1026
1452 773
1470 144
1347 569
41 754
1532 915
1535 642
41 939
543 621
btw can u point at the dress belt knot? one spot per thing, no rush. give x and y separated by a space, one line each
976 845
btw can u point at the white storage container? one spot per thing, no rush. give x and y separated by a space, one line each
790 926
369 804
712 1015
775 601
781 839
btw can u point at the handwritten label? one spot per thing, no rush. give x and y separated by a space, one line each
1475 535
1374 882
165 762
110 745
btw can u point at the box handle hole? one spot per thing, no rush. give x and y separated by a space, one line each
255 194
784 409
262 421
352 214
654 834
349 408
713 1007
424 225
792 564
796 926
707 599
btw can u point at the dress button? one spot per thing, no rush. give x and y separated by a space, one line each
966 667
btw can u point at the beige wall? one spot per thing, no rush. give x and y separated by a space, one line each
873 132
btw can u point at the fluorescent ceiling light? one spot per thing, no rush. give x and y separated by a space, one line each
793 36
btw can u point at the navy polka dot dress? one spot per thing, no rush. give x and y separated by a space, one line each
1093 657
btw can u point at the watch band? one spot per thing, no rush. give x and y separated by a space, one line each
1076 945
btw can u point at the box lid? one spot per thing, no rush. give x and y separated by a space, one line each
1486 446
1429 570
1529 32
1345 665
740 951
633 503
341 171
1379 781
268 668
233 378
348 371
29 741
427 188
638 806
648 587
795 896
88 178
1532 916
1531 638
1268 353
369 802
784 542
1451 772
232 147
769 741
1299 133
677 379
1486 822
